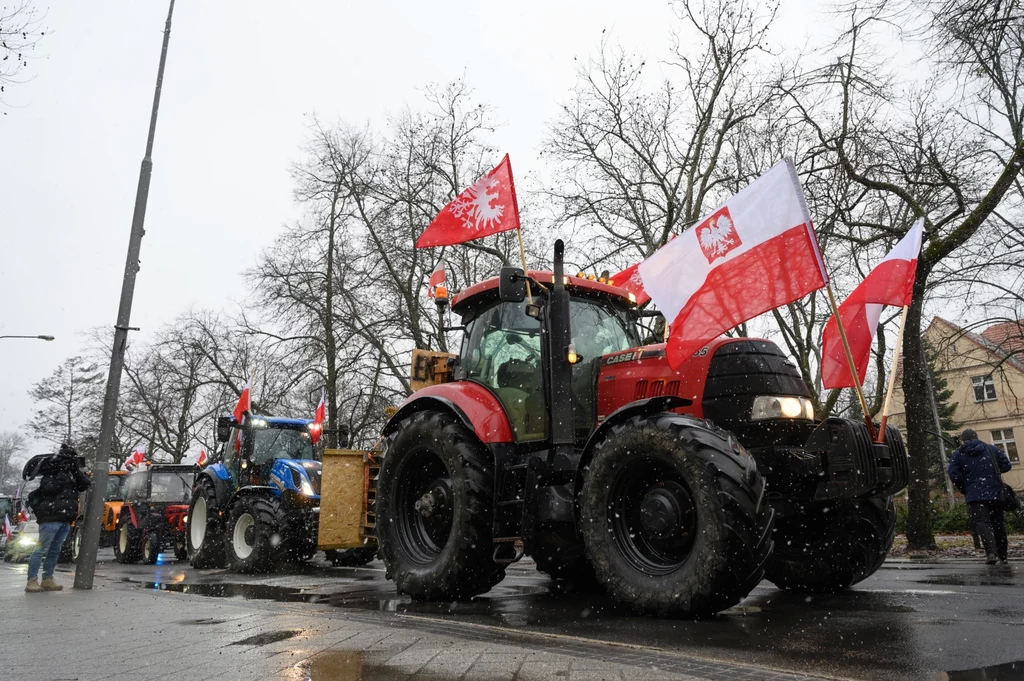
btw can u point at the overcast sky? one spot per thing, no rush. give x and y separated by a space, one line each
240 79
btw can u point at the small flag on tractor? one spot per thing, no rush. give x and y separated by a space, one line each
891 282
753 254
487 207
201 461
7 526
629 280
317 428
137 458
437 278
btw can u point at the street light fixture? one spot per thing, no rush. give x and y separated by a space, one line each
45 338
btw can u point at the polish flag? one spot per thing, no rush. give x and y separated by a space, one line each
7 526
318 419
243 405
137 458
437 277
201 461
629 280
487 207
751 255
891 282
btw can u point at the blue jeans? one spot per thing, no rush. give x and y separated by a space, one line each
51 539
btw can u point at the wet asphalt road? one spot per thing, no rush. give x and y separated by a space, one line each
911 620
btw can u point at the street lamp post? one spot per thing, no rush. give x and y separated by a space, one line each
45 338
86 568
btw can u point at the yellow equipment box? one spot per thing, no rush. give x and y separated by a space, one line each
346 499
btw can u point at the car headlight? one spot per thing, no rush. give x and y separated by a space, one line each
777 407
26 541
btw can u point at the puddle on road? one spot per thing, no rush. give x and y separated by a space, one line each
968 580
202 620
268 637
1010 671
350 666
264 592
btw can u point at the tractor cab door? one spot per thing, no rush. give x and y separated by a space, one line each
501 350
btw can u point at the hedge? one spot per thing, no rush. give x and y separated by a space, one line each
954 520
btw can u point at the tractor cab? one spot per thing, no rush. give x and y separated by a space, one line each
503 348
264 448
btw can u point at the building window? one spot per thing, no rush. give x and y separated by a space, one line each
984 388
1003 440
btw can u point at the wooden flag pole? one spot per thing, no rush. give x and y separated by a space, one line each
892 376
849 359
522 254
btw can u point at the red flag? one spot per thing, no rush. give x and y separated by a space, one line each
243 405
891 282
629 280
318 420
437 277
201 461
487 207
751 255
7 527
138 457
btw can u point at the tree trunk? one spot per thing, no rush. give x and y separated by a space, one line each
331 352
916 403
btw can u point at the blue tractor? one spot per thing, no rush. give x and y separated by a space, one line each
257 504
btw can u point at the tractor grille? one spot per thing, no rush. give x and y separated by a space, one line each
645 389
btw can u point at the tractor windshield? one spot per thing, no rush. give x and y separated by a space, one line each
171 486
115 487
281 443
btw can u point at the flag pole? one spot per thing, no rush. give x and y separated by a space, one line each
892 376
522 254
849 360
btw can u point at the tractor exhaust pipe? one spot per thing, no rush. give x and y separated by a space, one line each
559 367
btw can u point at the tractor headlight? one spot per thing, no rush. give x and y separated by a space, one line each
26 541
773 407
307 488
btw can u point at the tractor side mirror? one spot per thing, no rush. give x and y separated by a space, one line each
511 285
223 428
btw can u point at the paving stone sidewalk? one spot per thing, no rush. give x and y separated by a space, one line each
119 632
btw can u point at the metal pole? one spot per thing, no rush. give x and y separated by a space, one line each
938 436
101 467
45 338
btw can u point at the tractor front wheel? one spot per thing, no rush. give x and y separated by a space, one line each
151 549
674 517
127 545
435 496
254 538
832 546
204 530
67 551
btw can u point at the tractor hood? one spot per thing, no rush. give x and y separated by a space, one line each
301 476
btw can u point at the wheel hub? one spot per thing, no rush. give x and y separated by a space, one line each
435 500
660 513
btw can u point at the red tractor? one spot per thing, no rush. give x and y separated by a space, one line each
555 433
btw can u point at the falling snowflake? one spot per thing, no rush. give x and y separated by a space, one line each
475 206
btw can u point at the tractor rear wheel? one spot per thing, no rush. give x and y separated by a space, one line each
829 547
254 535
351 557
127 545
67 550
204 530
435 506
674 516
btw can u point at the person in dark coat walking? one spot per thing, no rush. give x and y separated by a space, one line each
972 471
55 504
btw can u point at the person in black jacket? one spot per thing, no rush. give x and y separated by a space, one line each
55 504
972 470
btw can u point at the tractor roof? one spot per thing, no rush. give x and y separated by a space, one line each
591 286
279 421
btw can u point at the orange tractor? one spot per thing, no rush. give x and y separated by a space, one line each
556 433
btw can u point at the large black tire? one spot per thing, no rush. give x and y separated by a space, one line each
829 547
674 516
351 557
435 496
254 535
151 548
67 550
128 543
204 529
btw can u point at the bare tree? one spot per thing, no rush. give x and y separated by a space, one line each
20 32
63 400
12 446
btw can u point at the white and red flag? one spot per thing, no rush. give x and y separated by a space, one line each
437 278
7 526
201 461
487 207
243 404
891 282
751 255
629 280
318 419
137 458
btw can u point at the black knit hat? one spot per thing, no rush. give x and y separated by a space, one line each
968 435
